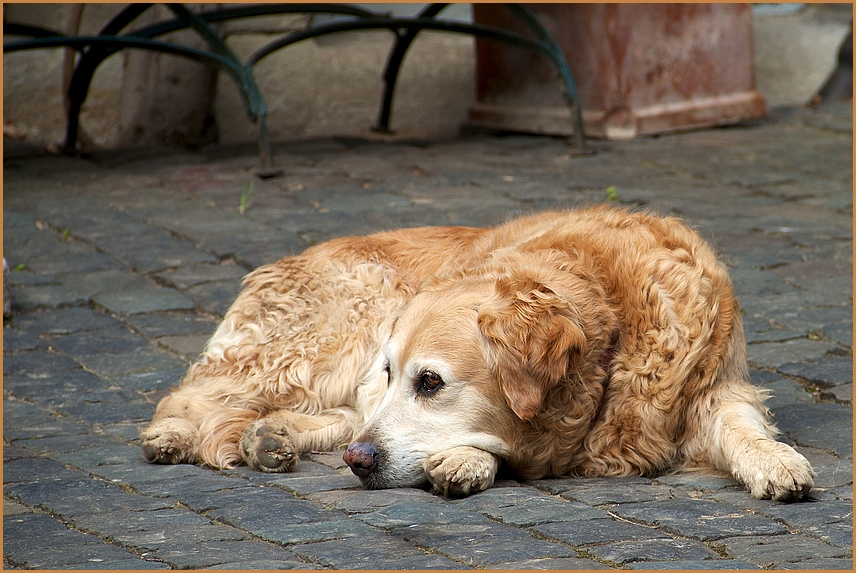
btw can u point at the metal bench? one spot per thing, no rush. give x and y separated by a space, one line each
110 39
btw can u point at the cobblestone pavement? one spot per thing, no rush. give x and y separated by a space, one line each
122 265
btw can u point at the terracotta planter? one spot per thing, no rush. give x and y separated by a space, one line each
639 69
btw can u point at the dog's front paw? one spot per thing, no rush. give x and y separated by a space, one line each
781 474
267 446
170 441
461 471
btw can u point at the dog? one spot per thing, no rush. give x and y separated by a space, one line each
596 342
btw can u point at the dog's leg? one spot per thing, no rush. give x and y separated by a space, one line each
737 438
273 443
462 471
192 427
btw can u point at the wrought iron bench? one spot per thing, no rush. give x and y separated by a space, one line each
110 39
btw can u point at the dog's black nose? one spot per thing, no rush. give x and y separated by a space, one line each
361 458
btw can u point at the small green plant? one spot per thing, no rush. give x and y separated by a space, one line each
245 196
20 267
611 195
66 235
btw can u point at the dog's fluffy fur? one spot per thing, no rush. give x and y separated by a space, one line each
594 342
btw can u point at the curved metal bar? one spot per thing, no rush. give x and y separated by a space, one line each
12 29
395 24
393 65
81 42
414 25
123 18
525 13
215 16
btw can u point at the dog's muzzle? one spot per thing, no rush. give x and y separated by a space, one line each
361 457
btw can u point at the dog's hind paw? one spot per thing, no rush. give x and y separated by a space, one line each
267 446
170 441
461 471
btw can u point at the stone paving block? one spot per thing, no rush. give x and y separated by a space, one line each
496 497
288 533
64 321
556 486
54 258
37 364
92 459
189 346
19 341
816 564
73 499
695 565
536 510
63 444
316 483
119 564
138 474
627 552
804 515
108 407
772 354
180 486
54 391
198 555
25 299
153 250
842 393
605 493
696 481
109 366
261 564
149 381
785 391
480 544
32 468
143 300
215 297
831 371
154 530
25 421
767 551
266 507
156 324
826 426
373 551
699 519
109 340
38 541
420 513
560 563
186 276
595 532
367 501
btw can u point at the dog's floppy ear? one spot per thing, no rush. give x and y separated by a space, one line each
533 335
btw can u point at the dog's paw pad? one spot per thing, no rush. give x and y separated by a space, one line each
268 448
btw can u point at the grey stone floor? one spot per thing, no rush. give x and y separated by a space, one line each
123 263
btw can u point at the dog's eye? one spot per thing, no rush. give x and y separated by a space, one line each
388 373
429 383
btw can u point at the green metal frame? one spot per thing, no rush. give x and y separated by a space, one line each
95 49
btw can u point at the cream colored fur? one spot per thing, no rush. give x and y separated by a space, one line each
595 342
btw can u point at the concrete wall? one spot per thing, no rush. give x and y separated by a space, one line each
332 86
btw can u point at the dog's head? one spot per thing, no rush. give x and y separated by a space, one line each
471 360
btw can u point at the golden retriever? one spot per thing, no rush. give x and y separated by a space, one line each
595 342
